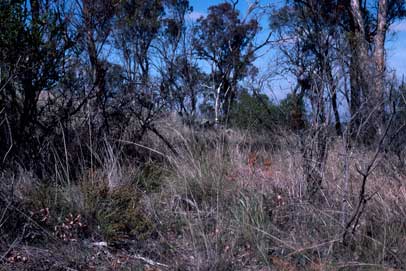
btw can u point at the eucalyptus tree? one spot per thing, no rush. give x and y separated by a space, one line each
33 44
178 69
226 43
309 32
368 25
94 28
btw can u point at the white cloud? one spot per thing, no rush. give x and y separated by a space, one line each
399 26
194 15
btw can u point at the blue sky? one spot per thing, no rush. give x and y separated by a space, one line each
396 48
396 41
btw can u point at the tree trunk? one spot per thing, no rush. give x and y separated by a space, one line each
359 66
217 106
98 70
333 92
379 58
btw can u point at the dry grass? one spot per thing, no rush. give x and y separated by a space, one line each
223 202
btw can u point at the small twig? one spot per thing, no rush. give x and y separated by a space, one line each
11 139
357 264
312 247
166 142
149 261
50 235
11 247
141 146
363 198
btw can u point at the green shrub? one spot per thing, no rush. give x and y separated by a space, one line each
109 214
119 215
149 177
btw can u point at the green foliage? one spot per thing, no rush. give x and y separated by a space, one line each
252 216
118 215
253 112
223 37
33 46
227 43
149 178
112 214
293 112
257 112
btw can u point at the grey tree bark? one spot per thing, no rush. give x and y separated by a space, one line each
379 58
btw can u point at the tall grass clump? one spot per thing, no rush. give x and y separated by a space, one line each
243 206
224 200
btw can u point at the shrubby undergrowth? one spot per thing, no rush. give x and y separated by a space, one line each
225 201
135 136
